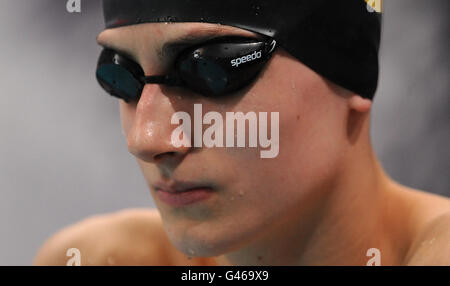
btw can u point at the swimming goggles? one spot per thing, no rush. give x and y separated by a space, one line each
214 68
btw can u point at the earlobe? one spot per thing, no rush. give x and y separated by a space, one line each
359 104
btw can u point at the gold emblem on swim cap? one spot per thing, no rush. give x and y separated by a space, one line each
374 5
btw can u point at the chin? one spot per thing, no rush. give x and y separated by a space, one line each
197 242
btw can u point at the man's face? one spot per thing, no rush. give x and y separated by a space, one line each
250 194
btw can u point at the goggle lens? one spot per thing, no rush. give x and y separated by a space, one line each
118 81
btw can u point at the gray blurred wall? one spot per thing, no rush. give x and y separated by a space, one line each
63 156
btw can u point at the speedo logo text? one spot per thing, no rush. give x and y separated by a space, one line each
248 58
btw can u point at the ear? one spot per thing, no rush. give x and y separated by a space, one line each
359 104
359 108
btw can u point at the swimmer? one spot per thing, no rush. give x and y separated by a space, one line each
324 200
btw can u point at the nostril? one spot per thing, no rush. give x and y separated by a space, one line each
169 154
165 154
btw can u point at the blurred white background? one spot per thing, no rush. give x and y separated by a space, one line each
62 153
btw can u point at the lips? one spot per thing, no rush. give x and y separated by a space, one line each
179 187
179 194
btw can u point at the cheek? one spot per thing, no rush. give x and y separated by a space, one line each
311 134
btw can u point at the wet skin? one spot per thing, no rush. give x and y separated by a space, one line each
324 200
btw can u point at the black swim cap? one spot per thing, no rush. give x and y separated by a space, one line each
337 39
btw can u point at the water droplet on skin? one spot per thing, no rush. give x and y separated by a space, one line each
191 251
430 242
110 260
232 199
241 193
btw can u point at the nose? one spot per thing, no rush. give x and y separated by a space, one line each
149 137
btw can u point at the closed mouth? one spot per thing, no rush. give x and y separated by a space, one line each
178 187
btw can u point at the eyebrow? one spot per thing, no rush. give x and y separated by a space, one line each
174 46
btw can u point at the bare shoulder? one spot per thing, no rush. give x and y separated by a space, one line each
127 237
431 245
